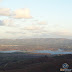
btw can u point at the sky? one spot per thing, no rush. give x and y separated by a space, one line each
35 19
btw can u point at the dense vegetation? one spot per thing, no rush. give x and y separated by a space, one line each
33 63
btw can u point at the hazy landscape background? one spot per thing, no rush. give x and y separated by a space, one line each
35 35
36 44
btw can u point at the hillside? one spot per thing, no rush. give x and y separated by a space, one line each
41 64
36 44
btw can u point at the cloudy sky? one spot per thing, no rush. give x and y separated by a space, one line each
35 19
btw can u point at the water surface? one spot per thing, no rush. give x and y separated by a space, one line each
53 52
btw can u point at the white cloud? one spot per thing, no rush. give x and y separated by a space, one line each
62 33
42 22
32 28
8 22
0 0
5 12
22 13
13 32
1 23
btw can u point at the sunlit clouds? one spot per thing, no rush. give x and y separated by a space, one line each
5 12
1 23
22 13
31 19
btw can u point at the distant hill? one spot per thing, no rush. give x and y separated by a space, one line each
35 41
36 44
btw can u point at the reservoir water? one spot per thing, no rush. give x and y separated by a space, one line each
40 51
53 52
9 51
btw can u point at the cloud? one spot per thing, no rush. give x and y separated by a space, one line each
1 0
32 28
42 22
41 32
22 13
62 33
16 32
8 22
12 32
5 12
1 23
